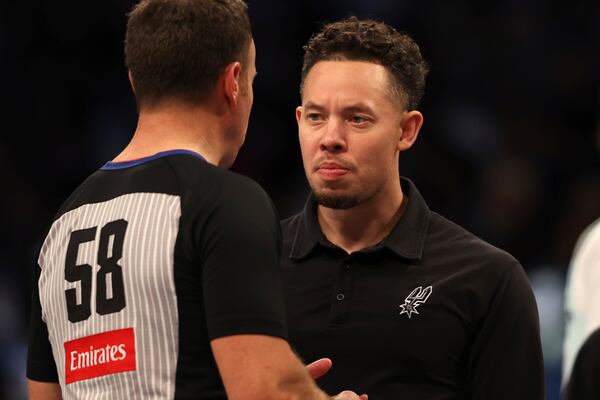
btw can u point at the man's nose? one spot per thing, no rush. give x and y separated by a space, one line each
333 139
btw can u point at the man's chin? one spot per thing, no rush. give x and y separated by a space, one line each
336 201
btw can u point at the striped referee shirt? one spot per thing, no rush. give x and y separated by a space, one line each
144 265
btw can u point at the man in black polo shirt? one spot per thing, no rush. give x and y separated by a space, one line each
407 304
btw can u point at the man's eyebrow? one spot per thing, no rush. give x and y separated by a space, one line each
358 107
313 106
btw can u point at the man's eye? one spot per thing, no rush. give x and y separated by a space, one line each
358 119
313 117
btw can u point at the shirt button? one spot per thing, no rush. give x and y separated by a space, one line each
340 296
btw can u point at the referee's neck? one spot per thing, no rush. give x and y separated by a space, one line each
176 126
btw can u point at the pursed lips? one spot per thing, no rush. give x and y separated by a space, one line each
331 170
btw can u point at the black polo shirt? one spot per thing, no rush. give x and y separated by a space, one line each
431 312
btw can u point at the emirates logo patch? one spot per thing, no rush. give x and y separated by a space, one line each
98 355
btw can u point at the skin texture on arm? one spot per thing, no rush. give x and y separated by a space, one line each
264 367
43 390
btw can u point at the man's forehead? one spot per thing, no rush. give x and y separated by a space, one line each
350 82
343 66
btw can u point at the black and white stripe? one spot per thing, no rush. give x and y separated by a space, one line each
148 274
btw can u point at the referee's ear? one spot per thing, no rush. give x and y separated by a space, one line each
231 83
410 125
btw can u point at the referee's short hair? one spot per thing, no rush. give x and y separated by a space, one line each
178 48
367 40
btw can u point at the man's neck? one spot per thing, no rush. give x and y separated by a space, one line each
365 225
176 126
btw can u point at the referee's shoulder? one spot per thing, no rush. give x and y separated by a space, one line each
243 188
203 177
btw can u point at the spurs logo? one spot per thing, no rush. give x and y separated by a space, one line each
414 299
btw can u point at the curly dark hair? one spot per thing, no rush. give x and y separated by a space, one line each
368 40
178 48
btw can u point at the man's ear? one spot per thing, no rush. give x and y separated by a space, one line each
299 111
131 80
410 126
231 83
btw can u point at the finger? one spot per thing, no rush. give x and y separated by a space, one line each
346 395
319 368
363 397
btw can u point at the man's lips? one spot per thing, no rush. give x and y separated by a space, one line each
331 171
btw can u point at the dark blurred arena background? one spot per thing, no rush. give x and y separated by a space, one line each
510 146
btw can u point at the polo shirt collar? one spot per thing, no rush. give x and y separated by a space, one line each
407 239
308 232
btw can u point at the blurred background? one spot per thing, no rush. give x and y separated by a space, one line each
510 148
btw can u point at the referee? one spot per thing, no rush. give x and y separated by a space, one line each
158 277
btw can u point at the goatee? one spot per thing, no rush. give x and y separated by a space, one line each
338 202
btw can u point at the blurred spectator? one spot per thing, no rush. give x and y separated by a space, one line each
581 362
507 209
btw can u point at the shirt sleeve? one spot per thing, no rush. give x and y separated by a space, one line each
241 278
40 361
506 359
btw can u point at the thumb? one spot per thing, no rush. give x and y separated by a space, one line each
319 368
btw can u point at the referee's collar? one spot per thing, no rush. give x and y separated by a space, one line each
406 239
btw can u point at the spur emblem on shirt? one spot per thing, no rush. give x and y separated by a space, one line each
417 297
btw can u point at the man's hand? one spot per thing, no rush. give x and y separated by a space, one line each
349 395
317 369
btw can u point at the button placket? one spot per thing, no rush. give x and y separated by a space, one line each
341 293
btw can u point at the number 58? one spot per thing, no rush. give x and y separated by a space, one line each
83 272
